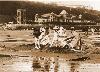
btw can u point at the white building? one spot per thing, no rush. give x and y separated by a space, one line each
52 17
21 16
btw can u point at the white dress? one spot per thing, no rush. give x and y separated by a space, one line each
42 30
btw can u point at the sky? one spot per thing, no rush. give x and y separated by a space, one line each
95 4
91 3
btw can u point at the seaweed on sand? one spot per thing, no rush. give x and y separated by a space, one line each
1 55
80 59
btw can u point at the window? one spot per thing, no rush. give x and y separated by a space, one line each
18 19
18 14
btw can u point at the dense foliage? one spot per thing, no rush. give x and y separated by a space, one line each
8 10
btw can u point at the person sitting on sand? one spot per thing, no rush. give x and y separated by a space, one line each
42 31
40 37
61 31
45 38
75 39
36 34
55 36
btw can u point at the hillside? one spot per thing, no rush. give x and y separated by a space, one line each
8 8
6 18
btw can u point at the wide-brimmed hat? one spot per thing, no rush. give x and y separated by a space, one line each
56 28
72 28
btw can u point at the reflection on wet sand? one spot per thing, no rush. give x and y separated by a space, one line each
74 66
16 64
53 65
60 65
46 64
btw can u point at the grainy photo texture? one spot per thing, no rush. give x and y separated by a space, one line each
50 36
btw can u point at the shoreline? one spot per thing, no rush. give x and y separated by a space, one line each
26 48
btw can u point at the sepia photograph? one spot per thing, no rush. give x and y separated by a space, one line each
49 36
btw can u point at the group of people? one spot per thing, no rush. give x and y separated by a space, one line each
40 34
57 36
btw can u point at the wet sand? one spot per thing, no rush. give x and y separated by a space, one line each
24 40
22 56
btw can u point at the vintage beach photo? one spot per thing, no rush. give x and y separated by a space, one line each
49 36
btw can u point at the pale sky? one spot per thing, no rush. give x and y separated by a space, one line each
91 3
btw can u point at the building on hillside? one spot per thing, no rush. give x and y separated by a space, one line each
52 17
49 17
62 17
21 16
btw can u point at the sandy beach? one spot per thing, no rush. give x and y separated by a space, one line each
18 46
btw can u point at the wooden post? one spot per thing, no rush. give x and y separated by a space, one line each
80 43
